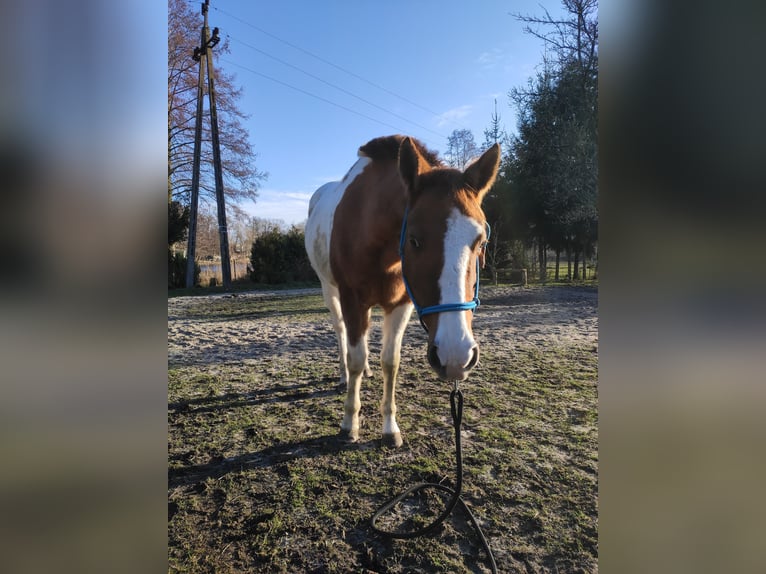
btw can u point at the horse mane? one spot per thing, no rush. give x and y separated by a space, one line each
387 148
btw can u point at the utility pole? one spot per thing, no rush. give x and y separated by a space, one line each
191 250
204 55
222 229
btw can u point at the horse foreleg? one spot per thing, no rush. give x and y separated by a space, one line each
357 359
394 324
367 369
357 321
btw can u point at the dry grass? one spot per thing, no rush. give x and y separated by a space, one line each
258 481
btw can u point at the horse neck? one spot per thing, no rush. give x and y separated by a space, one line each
384 214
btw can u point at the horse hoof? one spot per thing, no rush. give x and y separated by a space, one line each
348 435
393 440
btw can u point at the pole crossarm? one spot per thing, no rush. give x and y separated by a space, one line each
209 44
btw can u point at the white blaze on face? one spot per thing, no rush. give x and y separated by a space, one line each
453 337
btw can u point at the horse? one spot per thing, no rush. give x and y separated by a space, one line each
400 231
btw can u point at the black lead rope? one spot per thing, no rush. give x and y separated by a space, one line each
457 419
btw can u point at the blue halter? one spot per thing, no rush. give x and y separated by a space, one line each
445 307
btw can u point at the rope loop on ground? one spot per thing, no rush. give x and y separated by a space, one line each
456 407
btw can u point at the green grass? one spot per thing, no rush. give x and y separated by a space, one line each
239 286
270 308
533 278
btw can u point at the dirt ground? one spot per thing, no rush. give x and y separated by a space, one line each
259 482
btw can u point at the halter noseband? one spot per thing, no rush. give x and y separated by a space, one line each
445 307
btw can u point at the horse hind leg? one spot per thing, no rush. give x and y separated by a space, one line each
332 300
394 324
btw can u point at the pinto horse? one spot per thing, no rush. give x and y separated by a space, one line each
400 231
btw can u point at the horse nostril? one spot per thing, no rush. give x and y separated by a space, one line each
433 357
474 359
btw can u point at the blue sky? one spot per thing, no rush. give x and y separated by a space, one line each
419 67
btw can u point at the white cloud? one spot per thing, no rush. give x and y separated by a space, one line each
497 60
289 206
490 58
454 115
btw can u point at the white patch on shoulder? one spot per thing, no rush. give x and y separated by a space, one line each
322 207
453 337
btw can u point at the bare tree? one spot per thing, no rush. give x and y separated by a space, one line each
241 177
573 38
208 238
244 229
461 148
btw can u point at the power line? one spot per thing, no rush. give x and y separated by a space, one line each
301 90
345 91
336 66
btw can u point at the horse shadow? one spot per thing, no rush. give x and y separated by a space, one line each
270 456
275 393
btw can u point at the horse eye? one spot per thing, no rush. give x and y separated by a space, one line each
414 242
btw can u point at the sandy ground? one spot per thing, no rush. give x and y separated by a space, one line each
509 318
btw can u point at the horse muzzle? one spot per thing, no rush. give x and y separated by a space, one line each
454 367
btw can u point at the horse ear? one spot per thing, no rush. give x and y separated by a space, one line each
411 164
481 174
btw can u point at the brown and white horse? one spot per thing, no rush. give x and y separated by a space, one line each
400 228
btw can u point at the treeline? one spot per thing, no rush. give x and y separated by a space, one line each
178 226
275 252
546 195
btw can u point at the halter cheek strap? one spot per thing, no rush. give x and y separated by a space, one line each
444 307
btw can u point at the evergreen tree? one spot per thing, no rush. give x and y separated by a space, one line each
552 164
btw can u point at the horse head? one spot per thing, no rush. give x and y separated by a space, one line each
442 244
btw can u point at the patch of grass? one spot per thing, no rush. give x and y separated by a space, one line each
240 286
271 308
